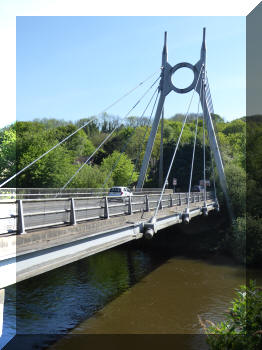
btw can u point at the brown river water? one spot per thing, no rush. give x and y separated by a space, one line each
141 293
166 301
169 300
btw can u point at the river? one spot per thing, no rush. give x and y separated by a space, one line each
133 289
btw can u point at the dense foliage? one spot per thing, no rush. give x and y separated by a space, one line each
23 142
119 160
242 328
118 163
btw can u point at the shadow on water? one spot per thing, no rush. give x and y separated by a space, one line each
55 302
177 265
114 342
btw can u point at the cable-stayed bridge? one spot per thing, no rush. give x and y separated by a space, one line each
40 234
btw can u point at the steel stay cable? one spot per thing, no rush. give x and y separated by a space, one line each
129 92
212 164
118 159
141 97
213 175
147 129
44 154
78 170
193 155
213 171
123 149
174 154
204 148
73 133
143 140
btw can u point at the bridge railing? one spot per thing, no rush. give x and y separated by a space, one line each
19 216
42 193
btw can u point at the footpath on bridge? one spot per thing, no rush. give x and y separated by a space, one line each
53 236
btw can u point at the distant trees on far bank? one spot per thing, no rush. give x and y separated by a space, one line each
118 161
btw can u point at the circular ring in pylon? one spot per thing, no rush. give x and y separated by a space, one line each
192 85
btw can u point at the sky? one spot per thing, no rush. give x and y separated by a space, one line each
73 67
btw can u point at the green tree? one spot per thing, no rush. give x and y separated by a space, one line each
242 328
53 170
90 177
7 153
119 140
121 167
236 179
90 129
78 143
254 240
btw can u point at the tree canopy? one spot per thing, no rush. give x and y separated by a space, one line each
119 160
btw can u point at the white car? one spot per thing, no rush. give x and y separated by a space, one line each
119 192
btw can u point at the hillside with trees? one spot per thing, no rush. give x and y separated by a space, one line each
119 160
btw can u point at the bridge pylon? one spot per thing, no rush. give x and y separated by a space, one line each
200 84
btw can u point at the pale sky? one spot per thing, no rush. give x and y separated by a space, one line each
71 68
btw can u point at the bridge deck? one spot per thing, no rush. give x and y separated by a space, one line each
45 238
38 251
19 216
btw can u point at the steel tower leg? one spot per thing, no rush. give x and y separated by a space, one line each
164 88
217 156
210 127
161 156
150 142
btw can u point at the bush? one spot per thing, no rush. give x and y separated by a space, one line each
254 240
242 329
236 178
237 239
90 177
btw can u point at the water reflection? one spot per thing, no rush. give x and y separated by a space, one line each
9 326
56 301
128 289
169 299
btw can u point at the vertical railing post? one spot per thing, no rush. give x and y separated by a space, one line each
2 303
106 209
147 203
171 200
194 198
179 199
21 221
187 198
160 205
72 212
130 209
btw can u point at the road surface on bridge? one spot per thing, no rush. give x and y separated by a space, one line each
38 251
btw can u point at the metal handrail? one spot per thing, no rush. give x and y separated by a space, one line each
58 211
